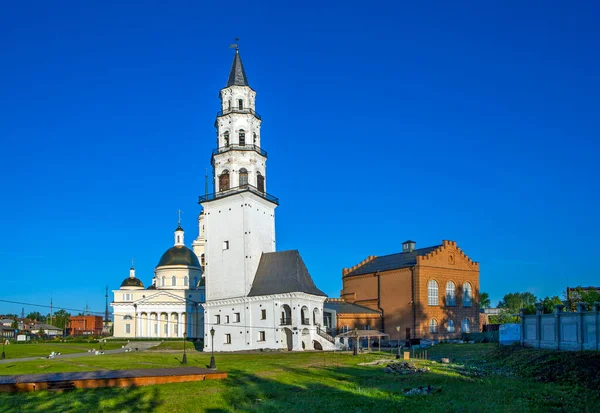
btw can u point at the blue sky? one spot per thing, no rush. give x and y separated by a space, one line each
471 121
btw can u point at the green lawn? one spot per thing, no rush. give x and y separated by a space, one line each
307 382
17 350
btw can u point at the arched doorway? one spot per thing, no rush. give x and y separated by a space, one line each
316 317
286 315
317 345
288 339
306 341
304 314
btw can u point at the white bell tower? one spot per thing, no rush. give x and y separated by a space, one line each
239 217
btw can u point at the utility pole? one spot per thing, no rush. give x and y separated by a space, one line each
50 310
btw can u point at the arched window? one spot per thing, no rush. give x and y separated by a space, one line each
243 178
254 138
242 137
173 280
162 281
433 326
467 299
432 293
229 104
450 327
185 281
224 181
240 104
466 325
226 138
260 182
450 294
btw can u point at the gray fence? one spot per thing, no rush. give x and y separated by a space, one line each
562 331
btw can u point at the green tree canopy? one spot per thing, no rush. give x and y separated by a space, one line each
36 315
549 302
484 300
61 319
515 301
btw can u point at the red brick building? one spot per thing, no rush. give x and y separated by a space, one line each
429 292
85 325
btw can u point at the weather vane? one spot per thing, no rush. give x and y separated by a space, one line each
235 45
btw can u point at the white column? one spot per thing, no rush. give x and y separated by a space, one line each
138 327
181 325
149 324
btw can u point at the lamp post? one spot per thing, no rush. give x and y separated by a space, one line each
3 355
184 360
398 330
213 365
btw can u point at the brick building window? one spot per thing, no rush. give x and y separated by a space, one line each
466 325
243 178
227 338
127 328
263 314
467 299
450 327
261 336
432 293
450 294
433 326
224 181
242 137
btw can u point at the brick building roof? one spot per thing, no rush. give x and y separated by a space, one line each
342 307
392 261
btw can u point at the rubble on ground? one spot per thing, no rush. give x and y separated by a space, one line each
404 368
421 390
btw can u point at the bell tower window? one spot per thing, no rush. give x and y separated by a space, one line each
260 182
240 104
254 138
224 181
242 137
243 178
226 138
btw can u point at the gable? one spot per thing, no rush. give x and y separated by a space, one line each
162 297
448 255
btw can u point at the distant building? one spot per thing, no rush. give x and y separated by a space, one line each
429 292
83 325
573 293
46 329
340 316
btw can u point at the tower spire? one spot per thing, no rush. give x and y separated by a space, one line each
237 74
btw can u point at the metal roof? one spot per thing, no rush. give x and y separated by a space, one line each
392 261
283 272
343 307
237 75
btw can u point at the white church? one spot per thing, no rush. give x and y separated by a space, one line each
240 294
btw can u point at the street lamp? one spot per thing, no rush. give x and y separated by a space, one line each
3 355
398 330
184 360
213 365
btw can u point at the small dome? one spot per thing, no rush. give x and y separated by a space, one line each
152 287
132 282
179 255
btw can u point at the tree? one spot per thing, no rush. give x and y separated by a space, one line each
505 316
579 295
549 302
484 300
36 315
61 318
15 325
516 301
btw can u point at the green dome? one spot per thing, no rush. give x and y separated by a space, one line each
179 255
132 282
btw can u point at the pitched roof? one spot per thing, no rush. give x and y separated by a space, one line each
343 307
392 261
282 272
237 74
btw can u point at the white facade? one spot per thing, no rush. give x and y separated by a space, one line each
237 227
171 306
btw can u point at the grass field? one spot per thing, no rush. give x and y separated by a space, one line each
477 380
44 349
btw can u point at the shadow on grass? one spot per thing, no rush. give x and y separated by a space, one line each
132 400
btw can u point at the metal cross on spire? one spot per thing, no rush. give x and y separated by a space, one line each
179 217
